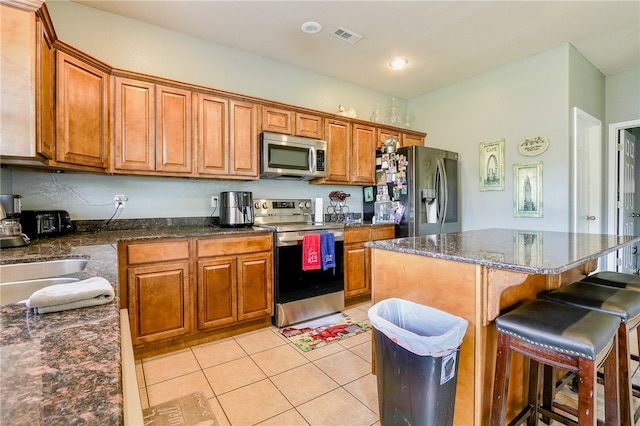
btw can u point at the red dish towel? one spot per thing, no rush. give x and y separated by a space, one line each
311 258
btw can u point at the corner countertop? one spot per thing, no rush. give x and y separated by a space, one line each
535 252
64 368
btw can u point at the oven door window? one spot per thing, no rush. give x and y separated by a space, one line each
292 283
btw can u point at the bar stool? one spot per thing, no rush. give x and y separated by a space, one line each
615 279
614 301
560 336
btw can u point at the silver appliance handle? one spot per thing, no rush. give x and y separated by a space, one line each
441 190
338 236
312 160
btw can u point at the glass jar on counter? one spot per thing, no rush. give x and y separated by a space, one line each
10 228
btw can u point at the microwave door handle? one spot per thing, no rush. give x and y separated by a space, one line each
312 160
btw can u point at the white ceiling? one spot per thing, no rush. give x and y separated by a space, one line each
445 41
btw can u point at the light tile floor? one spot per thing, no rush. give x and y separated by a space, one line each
262 378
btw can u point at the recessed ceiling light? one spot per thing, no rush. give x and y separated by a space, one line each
398 63
311 27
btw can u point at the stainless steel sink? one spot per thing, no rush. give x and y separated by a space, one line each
63 268
15 291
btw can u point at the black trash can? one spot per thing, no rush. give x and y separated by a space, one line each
416 355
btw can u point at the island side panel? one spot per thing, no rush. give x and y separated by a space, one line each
450 286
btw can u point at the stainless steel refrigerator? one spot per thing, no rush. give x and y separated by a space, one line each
423 184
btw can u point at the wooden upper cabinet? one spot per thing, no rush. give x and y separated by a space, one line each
291 122
278 120
385 134
338 137
211 115
244 147
363 155
45 92
152 127
409 139
309 125
134 125
173 130
82 112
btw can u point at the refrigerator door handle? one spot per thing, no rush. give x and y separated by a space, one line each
441 190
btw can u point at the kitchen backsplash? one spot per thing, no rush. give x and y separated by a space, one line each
90 196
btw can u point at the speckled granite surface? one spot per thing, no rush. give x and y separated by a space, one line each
538 252
64 368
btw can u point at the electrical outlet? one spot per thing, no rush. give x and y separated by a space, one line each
214 201
119 201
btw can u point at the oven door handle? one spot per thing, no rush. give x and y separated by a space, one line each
338 236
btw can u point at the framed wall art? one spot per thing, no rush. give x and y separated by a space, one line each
492 165
527 189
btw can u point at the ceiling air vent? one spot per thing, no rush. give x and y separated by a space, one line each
347 35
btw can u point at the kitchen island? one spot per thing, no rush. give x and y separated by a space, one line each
478 275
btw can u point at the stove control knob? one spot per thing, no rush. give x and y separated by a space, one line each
256 204
265 205
301 204
307 204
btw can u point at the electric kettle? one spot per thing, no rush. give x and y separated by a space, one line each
236 208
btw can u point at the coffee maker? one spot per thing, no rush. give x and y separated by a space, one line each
10 229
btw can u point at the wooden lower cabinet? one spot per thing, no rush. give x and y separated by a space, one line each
185 290
159 302
234 288
357 278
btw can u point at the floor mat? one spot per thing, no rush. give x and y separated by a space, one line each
193 409
323 331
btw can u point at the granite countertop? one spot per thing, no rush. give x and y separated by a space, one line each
538 252
64 368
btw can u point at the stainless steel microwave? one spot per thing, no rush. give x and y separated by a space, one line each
292 157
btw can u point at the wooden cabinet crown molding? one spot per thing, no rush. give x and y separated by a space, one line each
30 5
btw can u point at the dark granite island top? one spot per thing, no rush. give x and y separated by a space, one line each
64 368
536 252
477 275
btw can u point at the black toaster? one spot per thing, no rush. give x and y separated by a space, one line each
45 223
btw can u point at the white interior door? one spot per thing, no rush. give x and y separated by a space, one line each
626 194
586 203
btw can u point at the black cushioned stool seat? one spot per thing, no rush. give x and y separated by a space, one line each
560 336
615 279
615 301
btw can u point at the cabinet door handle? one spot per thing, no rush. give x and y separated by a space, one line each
591 218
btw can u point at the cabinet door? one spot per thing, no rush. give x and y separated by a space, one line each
212 134
159 301
45 95
409 140
255 286
363 154
311 126
217 294
82 112
338 136
277 120
385 135
135 147
355 276
244 148
173 130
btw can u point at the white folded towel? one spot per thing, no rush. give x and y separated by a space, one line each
60 297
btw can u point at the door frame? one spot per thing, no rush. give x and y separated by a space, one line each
611 207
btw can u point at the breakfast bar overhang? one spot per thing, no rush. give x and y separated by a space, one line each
478 275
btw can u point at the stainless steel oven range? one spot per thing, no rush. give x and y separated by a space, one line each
300 295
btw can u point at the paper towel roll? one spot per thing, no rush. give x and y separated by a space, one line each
319 211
